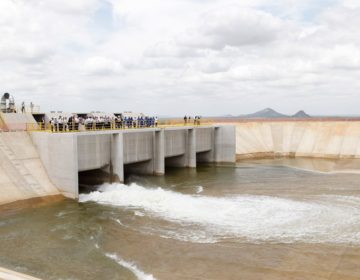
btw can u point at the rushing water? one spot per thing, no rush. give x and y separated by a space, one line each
262 219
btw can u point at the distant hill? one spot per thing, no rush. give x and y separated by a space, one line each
266 113
301 115
269 113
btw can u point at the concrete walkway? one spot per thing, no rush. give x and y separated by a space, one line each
6 274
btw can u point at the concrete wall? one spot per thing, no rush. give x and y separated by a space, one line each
59 154
175 142
327 139
180 146
216 145
22 174
94 151
204 139
117 157
224 144
138 145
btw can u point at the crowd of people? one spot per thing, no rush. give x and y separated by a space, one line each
188 120
91 122
101 122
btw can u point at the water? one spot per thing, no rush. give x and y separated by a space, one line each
262 219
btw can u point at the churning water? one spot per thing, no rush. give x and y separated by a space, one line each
255 220
319 219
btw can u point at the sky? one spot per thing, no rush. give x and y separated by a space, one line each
176 57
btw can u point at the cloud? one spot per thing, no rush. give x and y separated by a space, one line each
204 57
344 56
72 7
99 65
236 26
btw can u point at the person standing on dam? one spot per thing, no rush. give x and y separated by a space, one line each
54 125
60 122
197 120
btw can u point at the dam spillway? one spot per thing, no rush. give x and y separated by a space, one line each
139 151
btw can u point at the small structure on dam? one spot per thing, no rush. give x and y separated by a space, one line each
140 151
7 104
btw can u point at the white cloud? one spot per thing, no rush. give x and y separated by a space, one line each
237 26
74 7
342 56
210 57
99 65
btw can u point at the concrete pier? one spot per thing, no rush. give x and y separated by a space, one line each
140 151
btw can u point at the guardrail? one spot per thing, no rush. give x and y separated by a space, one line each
77 127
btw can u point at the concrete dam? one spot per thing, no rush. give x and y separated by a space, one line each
41 163
139 151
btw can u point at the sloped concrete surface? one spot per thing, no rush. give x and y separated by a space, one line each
22 175
7 274
17 121
328 139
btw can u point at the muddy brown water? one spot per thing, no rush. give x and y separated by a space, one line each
258 219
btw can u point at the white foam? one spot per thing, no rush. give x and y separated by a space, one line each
334 219
118 221
132 267
199 189
139 213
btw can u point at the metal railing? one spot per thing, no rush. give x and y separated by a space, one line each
28 109
101 126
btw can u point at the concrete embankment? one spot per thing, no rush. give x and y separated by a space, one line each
321 139
12 275
22 175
